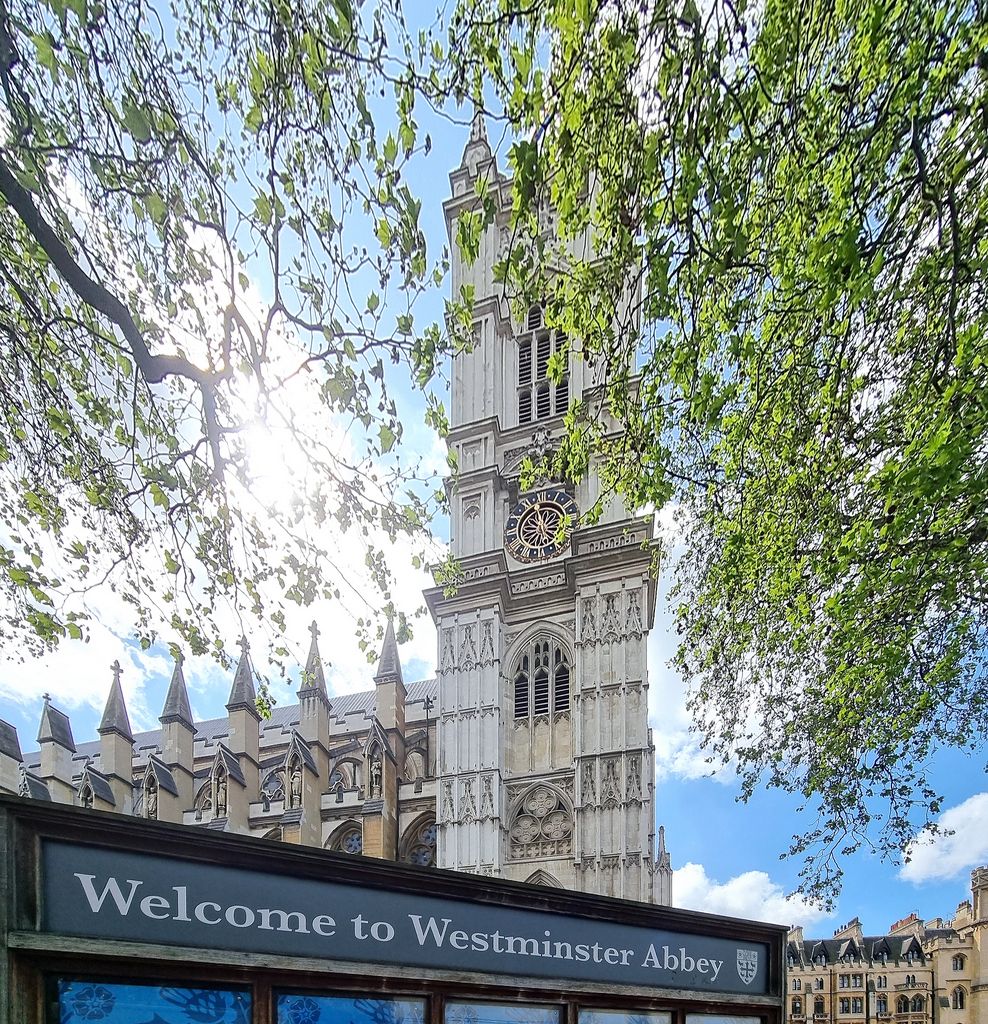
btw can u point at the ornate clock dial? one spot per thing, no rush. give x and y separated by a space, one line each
532 533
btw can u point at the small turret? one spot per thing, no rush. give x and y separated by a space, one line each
244 740
177 735
57 748
116 745
663 872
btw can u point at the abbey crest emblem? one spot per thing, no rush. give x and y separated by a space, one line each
747 965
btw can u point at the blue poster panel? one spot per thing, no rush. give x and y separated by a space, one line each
104 1002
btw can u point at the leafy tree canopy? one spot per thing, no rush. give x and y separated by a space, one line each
202 222
790 214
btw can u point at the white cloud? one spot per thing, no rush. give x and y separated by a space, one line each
934 858
752 895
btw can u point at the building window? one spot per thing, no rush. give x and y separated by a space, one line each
845 1005
881 981
957 964
902 1004
918 1004
796 984
844 981
538 397
911 979
857 981
857 1005
882 1004
310 1007
957 1000
818 983
419 844
87 1002
542 676
818 1007
499 1013
348 840
797 1007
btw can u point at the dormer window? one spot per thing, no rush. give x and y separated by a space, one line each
538 397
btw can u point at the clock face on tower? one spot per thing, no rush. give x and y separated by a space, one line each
532 533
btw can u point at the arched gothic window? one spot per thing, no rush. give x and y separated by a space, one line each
542 679
918 1004
957 1000
419 844
273 787
538 396
902 1004
349 839
818 1005
957 964
797 1007
882 1004
86 795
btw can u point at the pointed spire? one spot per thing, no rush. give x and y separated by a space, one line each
176 708
314 677
115 718
389 667
242 693
663 858
55 726
477 148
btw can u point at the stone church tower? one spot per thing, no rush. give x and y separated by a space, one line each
545 760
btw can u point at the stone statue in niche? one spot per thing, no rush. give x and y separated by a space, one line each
87 797
151 799
589 786
295 786
375 790
487 800
221 796
634 780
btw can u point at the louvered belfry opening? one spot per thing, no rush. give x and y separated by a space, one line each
538 397
542 679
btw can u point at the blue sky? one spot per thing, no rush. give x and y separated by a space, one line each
726 854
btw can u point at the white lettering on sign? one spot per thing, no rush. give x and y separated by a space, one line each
519 941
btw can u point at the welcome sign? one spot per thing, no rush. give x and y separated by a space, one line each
115 894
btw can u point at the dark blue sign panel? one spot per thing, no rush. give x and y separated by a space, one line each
115 894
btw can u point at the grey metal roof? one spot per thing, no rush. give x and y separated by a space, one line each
277 728
164 776
9 744
100 783
34 787
303 748
232 764
55 727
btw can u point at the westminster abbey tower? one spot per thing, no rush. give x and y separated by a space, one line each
528 757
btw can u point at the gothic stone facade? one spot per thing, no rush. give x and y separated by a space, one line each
530 756
933 972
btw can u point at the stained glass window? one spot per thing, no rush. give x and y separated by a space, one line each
105 1002
312 1009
